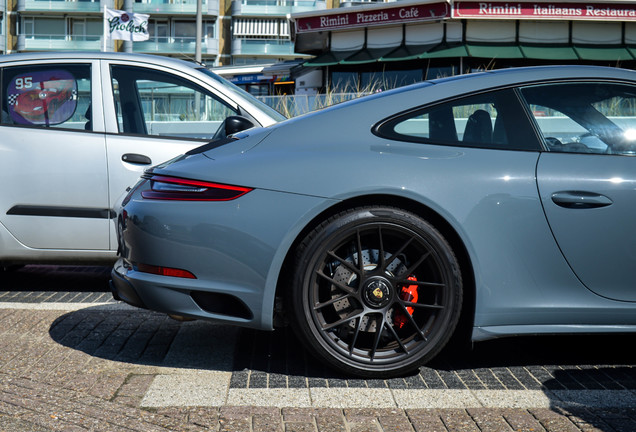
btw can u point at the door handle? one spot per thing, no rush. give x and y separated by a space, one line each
136 159
580 200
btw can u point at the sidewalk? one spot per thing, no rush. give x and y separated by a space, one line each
106 367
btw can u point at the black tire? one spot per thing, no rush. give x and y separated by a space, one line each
349 277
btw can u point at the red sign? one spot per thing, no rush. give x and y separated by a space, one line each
372 17
560 11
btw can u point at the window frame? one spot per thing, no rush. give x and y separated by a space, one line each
529 139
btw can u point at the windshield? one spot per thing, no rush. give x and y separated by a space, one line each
261 105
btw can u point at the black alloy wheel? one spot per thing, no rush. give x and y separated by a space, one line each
377 292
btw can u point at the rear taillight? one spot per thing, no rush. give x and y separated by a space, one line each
164 271
179 189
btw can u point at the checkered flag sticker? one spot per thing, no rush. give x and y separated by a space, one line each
12 98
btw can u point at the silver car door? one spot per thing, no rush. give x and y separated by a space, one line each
55 190
156 114
587 179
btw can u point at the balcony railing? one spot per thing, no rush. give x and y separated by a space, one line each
61 42
64 5
183 45
276 7
277 47
189 7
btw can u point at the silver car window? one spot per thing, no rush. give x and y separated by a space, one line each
50 96
151 102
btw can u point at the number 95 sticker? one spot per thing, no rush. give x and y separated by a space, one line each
42 98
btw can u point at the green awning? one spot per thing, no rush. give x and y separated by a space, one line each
609 53
407 52
446 50
549 52
367 55
488 51
494 51
330 58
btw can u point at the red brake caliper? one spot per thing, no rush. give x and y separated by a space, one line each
408 293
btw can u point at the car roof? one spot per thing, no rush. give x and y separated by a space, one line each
99 55
457 85
541 73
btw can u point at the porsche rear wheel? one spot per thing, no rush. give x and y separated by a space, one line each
377 292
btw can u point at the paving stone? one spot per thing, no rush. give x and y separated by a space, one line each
90 370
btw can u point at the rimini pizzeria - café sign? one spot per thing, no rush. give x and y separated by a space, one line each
434 11
531 10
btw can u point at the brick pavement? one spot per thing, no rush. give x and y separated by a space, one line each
58 372
67 364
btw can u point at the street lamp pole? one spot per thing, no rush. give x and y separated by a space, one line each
197 49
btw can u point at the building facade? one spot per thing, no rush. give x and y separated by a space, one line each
390 44
233 31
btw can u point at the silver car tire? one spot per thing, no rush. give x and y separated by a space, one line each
377 292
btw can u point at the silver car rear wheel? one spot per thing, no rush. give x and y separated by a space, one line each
377 292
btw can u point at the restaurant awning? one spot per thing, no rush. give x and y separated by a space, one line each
489 51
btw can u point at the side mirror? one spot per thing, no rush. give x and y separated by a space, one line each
234 124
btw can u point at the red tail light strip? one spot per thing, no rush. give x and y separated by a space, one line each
179 189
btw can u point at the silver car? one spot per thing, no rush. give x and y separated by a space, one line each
485 205
79 128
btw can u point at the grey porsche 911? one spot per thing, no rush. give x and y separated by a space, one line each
504 200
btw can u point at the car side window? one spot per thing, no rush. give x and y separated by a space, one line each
152 102
598 118
489 120
51 96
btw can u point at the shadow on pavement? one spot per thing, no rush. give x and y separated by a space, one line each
149 338
58 278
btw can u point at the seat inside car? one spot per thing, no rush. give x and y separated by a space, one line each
478 128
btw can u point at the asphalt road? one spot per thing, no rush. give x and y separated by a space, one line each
61 333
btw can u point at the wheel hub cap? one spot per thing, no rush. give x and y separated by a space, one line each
377 292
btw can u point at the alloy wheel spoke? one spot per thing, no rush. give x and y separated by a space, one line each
409 317
352 345
399 252
359 247
341 321
379 325
423 258
397 338
421 283
422 305
345 263
340 285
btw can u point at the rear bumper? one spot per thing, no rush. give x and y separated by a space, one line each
123 290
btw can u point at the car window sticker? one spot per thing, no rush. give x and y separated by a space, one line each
42 98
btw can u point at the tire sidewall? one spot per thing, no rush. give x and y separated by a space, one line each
312 251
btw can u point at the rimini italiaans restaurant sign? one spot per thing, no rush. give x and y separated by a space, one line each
374 16
545 10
